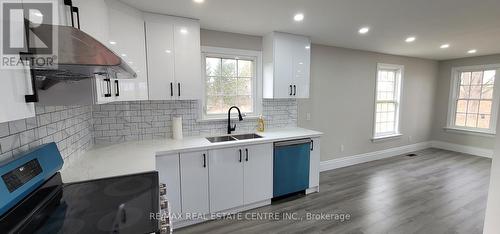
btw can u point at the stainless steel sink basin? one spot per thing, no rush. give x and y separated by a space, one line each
220 139
233 138
247 136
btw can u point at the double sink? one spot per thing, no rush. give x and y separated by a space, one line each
233 138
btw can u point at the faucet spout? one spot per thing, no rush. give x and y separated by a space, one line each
233 128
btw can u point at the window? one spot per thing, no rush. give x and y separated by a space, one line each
387 100
231 78
472 99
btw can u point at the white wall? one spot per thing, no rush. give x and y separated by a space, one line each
342 100
442 99
491 224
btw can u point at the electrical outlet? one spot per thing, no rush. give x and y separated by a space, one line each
308 116
341 147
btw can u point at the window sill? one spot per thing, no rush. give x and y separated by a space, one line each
386 138
470 132
235 118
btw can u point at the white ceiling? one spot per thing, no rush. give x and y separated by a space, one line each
464 24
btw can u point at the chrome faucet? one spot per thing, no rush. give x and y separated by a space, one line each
229 128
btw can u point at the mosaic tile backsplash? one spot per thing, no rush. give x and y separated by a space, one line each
75 129
124 121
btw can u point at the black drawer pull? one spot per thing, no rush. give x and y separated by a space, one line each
246 151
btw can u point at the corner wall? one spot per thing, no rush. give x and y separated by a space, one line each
342 100
442 99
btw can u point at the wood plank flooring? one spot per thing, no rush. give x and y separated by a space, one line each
435 192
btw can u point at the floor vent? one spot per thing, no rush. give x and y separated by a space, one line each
411 155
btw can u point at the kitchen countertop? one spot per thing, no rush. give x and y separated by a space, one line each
139 156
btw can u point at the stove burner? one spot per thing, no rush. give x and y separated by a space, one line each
129 186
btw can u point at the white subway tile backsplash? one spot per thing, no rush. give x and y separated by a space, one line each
152 119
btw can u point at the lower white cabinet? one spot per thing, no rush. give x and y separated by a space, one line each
258 173
169 174
226 178
240 176
194 182
314 162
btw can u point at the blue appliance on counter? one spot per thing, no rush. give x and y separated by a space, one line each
291 166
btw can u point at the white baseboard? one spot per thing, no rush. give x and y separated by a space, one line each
371 156
482 152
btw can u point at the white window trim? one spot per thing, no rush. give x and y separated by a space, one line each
452 106
257 89
399 86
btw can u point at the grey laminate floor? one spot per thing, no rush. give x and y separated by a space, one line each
435 192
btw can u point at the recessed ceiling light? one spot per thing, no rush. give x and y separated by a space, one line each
308 47
168 51
364 30
298 17
199 1
444 46
184 31
112 42
124 55
410 39
473 51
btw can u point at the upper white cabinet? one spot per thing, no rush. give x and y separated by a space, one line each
16 83
120 28
174 58
126 32
286 61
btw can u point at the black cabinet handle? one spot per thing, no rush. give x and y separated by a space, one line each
179 87
75 9
294 90
171 89
117 91
312 145
246 151
29 98
108 88
70 4
240 154
290 90
204 160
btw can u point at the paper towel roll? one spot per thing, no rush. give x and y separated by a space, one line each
177 127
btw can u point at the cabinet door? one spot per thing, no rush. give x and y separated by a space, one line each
315 162
93 19
258 173
226 179
126 29
16 80
169 174
194 182
16 83
103 91
283 65
160 54
301 66
187 59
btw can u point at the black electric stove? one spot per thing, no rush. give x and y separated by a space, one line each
123 204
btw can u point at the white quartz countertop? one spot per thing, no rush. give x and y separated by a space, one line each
139 156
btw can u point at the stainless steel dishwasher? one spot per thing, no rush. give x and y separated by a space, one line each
291 166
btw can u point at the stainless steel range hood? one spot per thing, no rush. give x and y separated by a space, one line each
79 56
